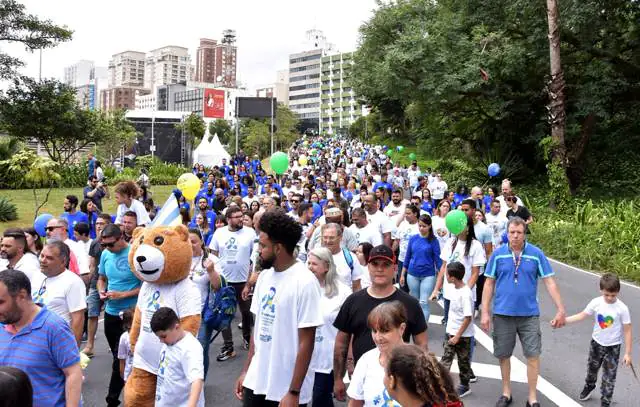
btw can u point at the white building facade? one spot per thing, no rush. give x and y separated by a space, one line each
167 65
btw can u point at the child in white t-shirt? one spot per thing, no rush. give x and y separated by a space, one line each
181 369
459 328
125 353
612 323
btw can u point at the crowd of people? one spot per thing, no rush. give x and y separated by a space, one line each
336 265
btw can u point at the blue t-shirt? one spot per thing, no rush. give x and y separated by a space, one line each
423 256
518 299
384 185
427 206
42 350
73 219
115 266
92 166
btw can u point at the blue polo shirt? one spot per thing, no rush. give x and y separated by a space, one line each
115 266
517 299
42 349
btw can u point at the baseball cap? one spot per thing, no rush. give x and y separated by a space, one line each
382 252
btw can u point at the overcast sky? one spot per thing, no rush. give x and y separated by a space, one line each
267 31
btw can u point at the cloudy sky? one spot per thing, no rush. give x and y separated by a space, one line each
268 31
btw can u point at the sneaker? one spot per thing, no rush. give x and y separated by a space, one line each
473 378
535 404
504 401
245 344
225 354
463 390
586 392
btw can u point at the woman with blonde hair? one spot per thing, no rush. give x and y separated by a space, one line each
334 292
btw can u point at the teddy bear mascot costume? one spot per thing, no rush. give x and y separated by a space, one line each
160 257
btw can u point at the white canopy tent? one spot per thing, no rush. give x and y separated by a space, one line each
210 153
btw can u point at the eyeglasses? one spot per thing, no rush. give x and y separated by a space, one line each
52 228
109 245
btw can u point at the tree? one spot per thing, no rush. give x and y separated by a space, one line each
47 112
195 127
256 135
16 25
116 131
222 128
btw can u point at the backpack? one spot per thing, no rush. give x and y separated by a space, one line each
348 258
220 307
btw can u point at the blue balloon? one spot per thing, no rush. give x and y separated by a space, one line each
494 169
505 238
41 223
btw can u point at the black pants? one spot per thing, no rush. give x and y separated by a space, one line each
258 400
113 329
245 311
323 390
479 289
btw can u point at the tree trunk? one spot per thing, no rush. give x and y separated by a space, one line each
556 107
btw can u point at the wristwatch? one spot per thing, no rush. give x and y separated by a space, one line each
294 392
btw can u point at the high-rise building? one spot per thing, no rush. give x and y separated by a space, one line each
88 80
127 69
304 79
217 62
120 97
79 74
340 107
279 89
167 65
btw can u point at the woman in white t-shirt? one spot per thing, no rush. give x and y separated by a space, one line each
387 322
126 194
203 272
334 292
439 225
466 249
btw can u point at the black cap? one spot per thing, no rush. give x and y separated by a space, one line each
382 252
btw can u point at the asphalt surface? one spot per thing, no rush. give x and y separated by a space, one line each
563 361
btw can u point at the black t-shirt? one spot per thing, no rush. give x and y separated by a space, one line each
522 212
352 318
95 251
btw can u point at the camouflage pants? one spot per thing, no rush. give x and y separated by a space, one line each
462 350
607 357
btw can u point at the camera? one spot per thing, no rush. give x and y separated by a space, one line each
104 180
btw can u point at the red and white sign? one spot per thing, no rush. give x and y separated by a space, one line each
213 103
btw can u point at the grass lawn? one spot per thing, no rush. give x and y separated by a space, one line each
23 198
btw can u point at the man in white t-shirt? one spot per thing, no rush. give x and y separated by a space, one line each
379 219
413 173
250 196
233 245
57 230
363 230
347 265
286 305
62 291
438 187
395 209
497 222
12 255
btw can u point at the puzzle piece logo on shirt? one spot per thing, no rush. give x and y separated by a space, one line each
605 322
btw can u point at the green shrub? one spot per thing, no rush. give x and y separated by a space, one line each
8 210
73 176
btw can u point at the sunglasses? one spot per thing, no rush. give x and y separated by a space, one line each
109 245
52 228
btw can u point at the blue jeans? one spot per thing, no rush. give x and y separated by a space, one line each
323 390
204 336
421 288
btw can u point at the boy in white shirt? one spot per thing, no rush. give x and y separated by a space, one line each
460 330
612 322
181 369
125 353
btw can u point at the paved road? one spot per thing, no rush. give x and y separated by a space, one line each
563 361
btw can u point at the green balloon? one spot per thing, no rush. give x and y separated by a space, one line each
279 162
400 148
456 221
412 156
389 152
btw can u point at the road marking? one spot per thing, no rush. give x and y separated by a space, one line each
518 368
590 272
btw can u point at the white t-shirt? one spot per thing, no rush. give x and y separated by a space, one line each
369 233
395 212
438 188
29 265
462 305
381 222
248 200
234 251
142 216
344 271
609 318
440 230
62 294
82 256
200 277
477 257
124 353
367 382
180 365
282 303
322 360
403 234
498 225
183 297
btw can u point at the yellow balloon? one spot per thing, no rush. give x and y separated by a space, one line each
189 185
303 160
